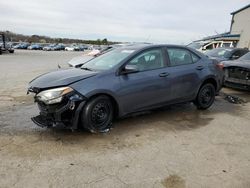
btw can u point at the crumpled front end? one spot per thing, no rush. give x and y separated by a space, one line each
237 77
64 113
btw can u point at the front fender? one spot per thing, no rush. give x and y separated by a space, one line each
104 84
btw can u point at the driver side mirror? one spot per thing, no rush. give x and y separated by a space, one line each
130 69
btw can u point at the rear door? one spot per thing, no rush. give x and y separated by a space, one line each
148 87
185 70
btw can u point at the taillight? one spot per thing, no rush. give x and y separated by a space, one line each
220 65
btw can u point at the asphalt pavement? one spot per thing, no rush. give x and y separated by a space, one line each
174 147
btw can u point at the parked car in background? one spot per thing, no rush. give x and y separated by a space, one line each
35 47
77 62
100 51
54 47
5 46
59 47
83 47
204 46
237 72
223 54
94 47
49 47
21 46
73 47
123 81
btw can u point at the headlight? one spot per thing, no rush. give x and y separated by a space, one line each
53 96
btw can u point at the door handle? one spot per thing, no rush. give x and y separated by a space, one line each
164 74
200 67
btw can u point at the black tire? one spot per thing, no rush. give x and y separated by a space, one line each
205 97
11 51
97 115
0 52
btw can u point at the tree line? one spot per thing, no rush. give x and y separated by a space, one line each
15 37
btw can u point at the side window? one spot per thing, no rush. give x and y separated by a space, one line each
178 56
195 58
149 60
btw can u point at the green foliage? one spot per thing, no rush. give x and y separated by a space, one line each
14 37
105 41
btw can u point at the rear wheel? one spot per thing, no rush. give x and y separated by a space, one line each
11 51
97 114
205 97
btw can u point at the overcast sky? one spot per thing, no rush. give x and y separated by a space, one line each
160 21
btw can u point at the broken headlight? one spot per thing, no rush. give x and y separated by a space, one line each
53 96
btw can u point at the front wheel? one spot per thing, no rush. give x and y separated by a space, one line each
205 97
97 114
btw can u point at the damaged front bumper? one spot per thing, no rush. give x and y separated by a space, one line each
237 84
65 113
238 78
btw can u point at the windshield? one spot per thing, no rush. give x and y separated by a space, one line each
195 45
107 60
245 57
218 52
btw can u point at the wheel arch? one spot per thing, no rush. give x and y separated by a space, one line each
111 97
210 80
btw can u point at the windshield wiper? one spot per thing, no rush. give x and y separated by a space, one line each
86 68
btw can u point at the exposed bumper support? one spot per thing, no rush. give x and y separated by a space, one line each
66 114
41 121
237 85
77 114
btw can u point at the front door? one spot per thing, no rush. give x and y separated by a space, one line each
147 87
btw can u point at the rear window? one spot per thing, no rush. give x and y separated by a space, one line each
179 56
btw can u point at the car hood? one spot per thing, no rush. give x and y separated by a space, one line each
237 63
59 78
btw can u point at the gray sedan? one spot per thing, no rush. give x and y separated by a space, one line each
124 81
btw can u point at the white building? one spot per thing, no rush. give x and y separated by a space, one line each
240 24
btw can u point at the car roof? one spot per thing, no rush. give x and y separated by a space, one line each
146 46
